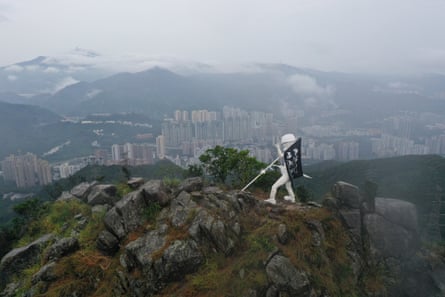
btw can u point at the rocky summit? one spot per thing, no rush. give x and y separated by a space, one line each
197 240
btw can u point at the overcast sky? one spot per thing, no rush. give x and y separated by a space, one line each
343 35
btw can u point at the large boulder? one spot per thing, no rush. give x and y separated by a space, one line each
135 182
286 278
114 223
128 214
140 252
46 274
206 228
154 191
22 257
399 212
388 239
131 209
352 220
181 209
82 190
392 229
191 184
61 248
179 259
347 194
103 194
107 243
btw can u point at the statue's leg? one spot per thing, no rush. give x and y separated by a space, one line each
290 191
273 192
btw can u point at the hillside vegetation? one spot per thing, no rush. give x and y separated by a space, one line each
417 179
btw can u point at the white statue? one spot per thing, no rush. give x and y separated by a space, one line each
286 141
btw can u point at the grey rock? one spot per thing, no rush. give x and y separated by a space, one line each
399 212
272 291
283 235
66 196
316 226
205 228
127 215
140 252
286 278
103 194
78 216
223 238
392 229
22 257
81 224
199 224
107 243
154 191
82 190
352 220
245 200
62 247
135 182
330 203
212 190
10 290
114 223
100 208
46 273
438 276
131 209
388 239
237 228
179 259
348 195
181 209
191 184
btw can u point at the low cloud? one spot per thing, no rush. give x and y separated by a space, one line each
93 93
14 68
65 82
307 86
32 68
3 19
12 77
311 92
51 70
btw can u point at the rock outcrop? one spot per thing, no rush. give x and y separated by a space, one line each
23 257
194 238
102 194
386 235
286 279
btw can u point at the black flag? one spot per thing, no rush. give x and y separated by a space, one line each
292 158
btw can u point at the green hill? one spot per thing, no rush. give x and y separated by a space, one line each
417 179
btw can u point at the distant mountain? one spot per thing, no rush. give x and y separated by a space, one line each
158 91
21 126
82 82
46 75
27 128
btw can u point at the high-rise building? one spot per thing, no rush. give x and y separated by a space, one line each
26 170
116 152
160 146
178 115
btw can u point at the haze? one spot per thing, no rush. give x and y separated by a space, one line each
342 35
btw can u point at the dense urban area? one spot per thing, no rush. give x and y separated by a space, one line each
186 134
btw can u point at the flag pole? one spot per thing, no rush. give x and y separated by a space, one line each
263 171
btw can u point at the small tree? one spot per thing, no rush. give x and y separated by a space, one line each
230 166
194 170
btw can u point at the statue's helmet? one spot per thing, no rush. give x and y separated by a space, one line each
288 138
